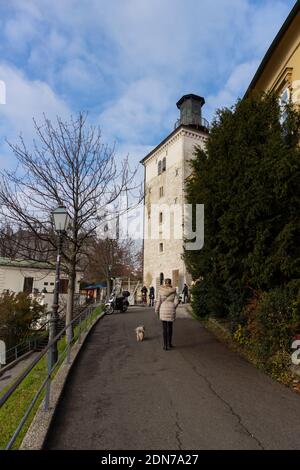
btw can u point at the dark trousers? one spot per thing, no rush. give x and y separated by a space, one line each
151 303
167 333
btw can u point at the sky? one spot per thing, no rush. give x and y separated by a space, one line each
127 62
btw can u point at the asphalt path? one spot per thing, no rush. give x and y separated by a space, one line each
126 395
10 375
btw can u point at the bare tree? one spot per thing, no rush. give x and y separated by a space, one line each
23 244
111 258
69 165
8 242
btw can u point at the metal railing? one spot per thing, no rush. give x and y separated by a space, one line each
19 350
30 344
198 122
82 321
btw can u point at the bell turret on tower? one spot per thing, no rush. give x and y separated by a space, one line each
190 107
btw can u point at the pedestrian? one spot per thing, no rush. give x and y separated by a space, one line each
166 309
90 297
144 292
151 296
185 292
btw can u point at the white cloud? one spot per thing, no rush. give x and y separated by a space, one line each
140 110
235 86
25 99
128 62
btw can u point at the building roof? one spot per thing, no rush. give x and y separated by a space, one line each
294 12
30 264
23 263
181 126
191 95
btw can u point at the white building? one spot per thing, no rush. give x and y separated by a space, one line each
33 276
166 170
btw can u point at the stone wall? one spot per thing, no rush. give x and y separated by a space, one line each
178 150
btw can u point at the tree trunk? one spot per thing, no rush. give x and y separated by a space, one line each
70 300
107 288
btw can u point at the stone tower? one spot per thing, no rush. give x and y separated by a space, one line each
166 170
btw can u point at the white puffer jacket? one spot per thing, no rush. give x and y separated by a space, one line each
166 303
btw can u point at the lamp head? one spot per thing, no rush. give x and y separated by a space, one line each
61 219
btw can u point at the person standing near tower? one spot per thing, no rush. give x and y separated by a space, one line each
144 292
185 292
151 296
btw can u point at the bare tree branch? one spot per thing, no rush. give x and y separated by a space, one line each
67 164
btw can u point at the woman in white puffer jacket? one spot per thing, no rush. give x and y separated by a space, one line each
166 309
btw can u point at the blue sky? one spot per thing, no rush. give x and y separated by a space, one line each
127 62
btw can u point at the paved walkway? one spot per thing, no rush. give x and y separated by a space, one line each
127 395
11 374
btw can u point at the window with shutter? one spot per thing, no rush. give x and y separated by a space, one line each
28 285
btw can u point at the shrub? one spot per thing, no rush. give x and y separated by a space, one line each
208 299
278 319
248 179
270 322
18 313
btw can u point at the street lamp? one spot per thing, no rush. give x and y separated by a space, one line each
109 281
61 221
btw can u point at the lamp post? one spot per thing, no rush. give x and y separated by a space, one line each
109 281
61 220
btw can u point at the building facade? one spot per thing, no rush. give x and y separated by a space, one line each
33 277
279 70
166 170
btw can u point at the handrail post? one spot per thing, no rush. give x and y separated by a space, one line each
85 320
69 341
79 330
48 386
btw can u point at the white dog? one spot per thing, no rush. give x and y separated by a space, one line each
140 333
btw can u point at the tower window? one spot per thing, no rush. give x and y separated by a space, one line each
159 167
160 217
161 247
163 166
161 191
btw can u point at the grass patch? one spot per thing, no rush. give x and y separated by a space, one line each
15 407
